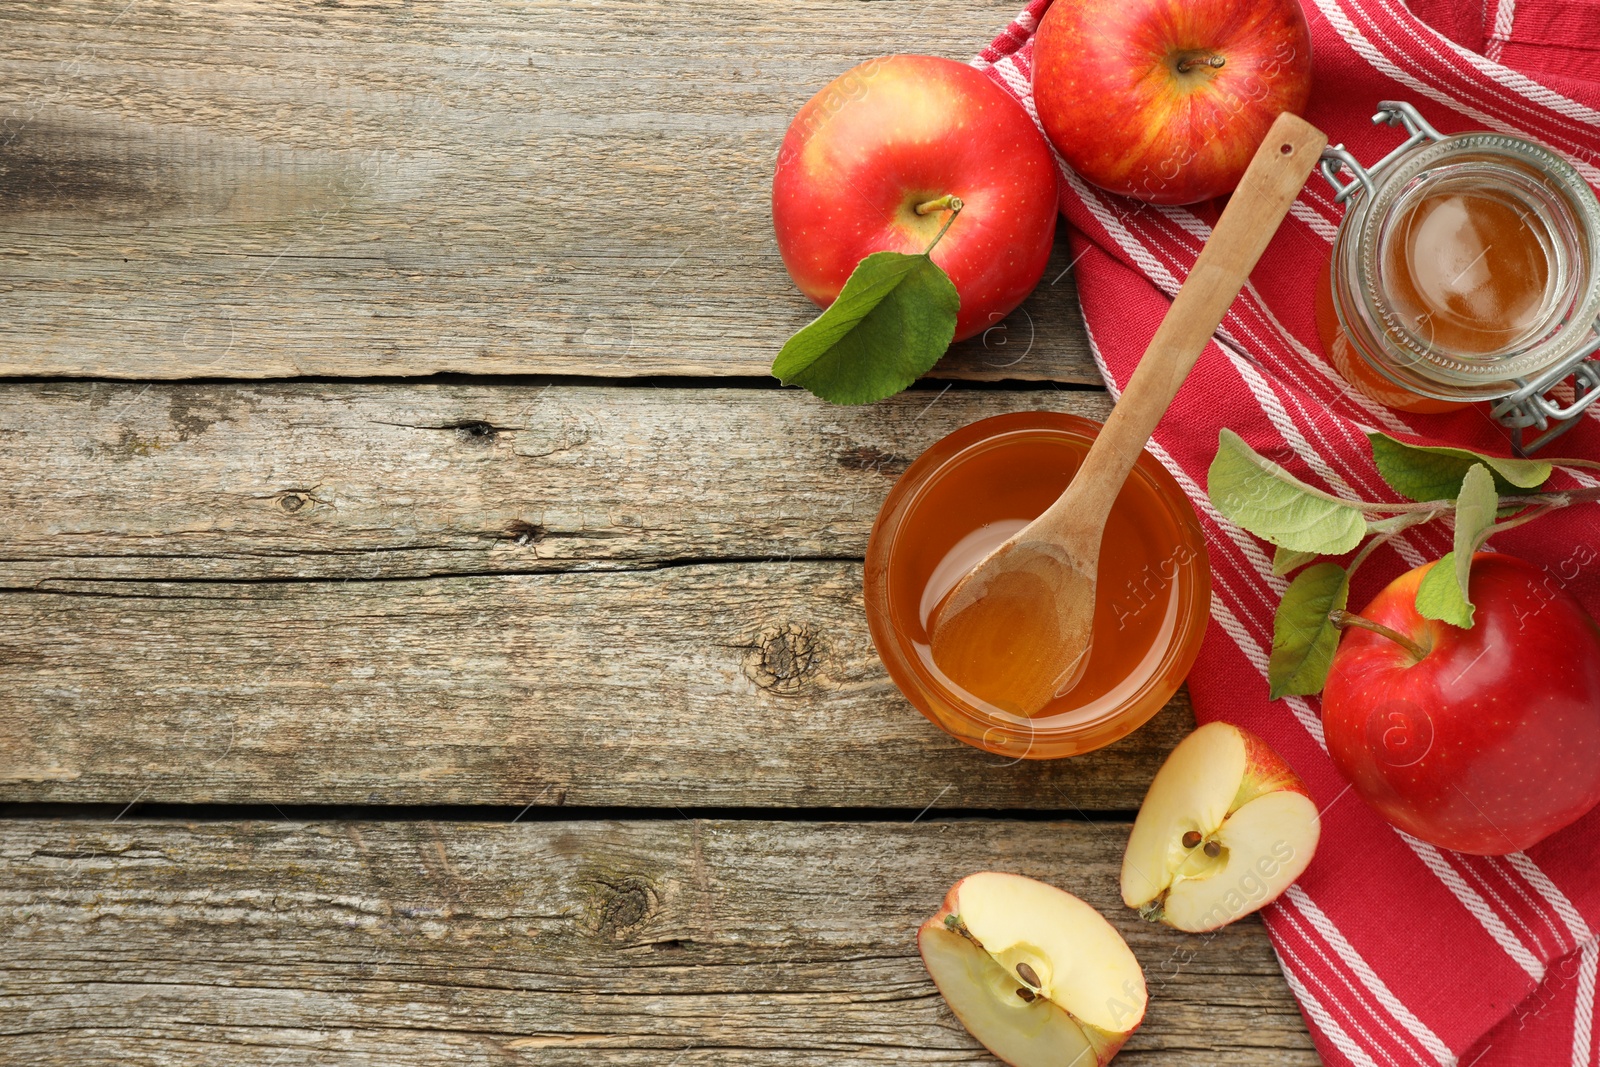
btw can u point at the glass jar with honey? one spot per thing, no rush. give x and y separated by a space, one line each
1464 270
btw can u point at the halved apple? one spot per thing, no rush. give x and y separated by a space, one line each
1225 828
1037 975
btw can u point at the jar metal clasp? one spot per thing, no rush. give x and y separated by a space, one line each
1390 113
1537 403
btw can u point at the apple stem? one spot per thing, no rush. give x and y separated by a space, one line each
1343 619
1517 520
953 203
949 201
1188 63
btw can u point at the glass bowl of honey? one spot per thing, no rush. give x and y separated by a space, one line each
977 487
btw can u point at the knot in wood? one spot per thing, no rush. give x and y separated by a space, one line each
293 500
477 432
618 904
783 658
525 533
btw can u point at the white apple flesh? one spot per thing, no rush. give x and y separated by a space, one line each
1037 975
1226 827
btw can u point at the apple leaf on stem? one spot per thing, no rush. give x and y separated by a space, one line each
888 326
1305 522
1439 594
1443 593
1304 638
1435 472
1260 496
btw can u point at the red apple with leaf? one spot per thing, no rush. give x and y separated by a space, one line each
1463 703
1166 100
916 201
1483 740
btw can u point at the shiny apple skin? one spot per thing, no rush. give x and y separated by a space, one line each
899 131
1113 103
1491 742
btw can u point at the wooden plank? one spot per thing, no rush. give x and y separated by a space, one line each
651 943
259 189
360 481
739 684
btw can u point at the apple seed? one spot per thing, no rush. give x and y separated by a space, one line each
1213 849
1028 974
1028 996
1191 839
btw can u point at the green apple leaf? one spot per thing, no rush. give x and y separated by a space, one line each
1444 591
1260 496
1433 472
892 321
1475 512
1439 594
1303 638
1285 560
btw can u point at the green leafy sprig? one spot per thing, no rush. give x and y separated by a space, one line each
894 318
1485 494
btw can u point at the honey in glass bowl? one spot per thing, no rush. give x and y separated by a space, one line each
970 492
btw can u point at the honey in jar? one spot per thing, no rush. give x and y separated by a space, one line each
1355 370
1465 267
1462 270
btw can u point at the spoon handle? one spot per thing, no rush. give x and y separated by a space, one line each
1274 178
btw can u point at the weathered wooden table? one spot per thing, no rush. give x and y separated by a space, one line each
428 636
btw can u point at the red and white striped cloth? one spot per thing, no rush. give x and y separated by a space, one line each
1400 953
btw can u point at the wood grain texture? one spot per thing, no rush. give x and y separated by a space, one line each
749 684
362 481
256 189
633 943
526 594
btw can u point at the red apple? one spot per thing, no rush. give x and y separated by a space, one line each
1166 100
1484 740
903 131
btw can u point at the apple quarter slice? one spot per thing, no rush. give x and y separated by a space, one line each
1037 975
1226 827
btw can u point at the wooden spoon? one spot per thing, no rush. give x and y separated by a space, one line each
1016 631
